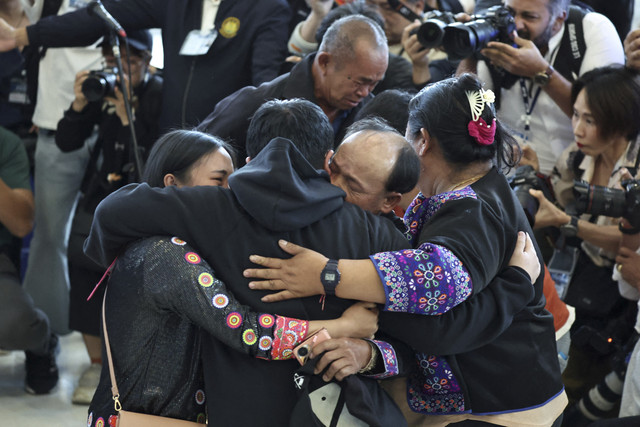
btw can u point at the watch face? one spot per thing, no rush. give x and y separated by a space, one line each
330 277
541 79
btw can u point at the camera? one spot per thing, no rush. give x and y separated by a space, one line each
431 32
302 351
525 179
598 200
462 40
100 83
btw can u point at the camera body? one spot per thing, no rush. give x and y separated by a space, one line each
302 351
461 40
525 179
598 200
100 83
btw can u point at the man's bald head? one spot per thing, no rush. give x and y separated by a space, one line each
374 165
345 34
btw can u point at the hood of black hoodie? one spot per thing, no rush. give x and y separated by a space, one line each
282 191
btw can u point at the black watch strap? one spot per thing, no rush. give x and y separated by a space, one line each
571 228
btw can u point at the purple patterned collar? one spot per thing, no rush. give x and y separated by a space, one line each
423 208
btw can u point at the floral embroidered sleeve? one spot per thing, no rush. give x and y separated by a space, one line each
429 280
178 279
389 361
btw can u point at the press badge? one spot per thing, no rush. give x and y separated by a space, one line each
197 43
18 91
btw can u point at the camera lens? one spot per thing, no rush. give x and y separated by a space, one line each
303 351
99 84
430 33
463 40
598 200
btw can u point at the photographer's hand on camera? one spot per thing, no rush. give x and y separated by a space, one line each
548 214
342 357
524 60
118 102
529 157
606 237
80 101
417 53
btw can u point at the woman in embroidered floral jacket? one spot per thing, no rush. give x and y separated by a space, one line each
463 226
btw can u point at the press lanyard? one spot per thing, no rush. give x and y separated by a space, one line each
528 106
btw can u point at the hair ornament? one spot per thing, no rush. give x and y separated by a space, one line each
479 129
483 133
478 99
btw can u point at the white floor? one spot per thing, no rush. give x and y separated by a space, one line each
20 409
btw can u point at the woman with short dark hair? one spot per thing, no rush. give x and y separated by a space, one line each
606 112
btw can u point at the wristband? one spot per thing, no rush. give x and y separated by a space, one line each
625 230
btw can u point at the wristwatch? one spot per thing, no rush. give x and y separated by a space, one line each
543 77
330 277
570 229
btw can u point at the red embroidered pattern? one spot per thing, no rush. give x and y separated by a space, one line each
288 333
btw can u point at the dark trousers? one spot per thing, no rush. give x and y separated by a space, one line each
22 326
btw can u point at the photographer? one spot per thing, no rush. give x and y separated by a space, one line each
606 107
554 44
627 273
111 166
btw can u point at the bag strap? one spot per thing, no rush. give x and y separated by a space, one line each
572 46
114 386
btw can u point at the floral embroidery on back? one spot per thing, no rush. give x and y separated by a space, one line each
422 209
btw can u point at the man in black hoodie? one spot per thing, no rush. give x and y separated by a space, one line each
278 195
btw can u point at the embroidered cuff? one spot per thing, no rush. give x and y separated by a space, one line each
429 280
389 360
288 333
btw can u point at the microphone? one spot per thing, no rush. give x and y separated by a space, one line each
96 8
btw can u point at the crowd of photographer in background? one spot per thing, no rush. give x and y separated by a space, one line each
565 78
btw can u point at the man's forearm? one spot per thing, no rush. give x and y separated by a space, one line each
21 37
16 209
559 89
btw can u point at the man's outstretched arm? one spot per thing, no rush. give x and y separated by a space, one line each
138 210
79 28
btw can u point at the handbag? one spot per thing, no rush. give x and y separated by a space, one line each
134 419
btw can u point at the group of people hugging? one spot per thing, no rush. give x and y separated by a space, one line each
301 202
